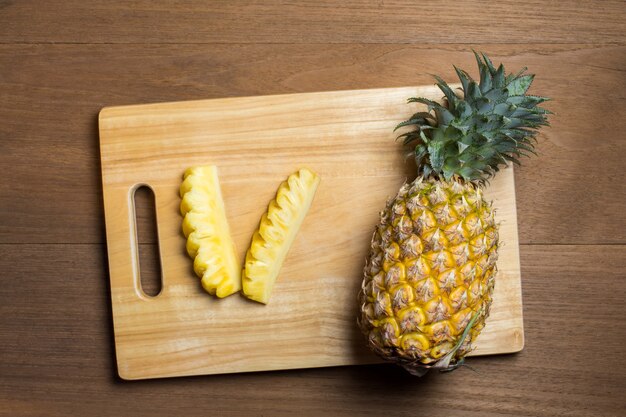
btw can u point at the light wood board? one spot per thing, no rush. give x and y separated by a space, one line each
256 142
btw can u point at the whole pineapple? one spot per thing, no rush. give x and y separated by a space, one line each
430 274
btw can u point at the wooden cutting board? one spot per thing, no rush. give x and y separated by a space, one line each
256 142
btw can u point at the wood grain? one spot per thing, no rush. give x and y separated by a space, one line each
60 62
56 351
320 21
51 96
310 321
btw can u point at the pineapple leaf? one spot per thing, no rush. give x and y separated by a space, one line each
423 114
463 109
427 169
462 147
511 77
447 91
463 77
416 121
520 85
485 79
471 135
436 154
512 159
492 68
407 137
498 77
444 116
431 104
420 152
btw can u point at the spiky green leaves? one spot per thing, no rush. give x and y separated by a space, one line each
473 135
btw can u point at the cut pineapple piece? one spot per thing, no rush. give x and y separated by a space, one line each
208 236
276 232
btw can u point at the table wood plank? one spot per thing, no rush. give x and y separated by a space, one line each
56 351
60 62
51 95
320 21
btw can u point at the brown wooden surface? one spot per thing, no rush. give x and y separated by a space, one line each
60 62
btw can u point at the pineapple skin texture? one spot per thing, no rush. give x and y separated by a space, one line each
276 233
430 271
205 226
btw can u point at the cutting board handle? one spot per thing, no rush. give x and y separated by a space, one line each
124 259
149 280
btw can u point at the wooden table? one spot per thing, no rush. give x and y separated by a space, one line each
61 62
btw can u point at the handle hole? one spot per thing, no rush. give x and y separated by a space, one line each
148 241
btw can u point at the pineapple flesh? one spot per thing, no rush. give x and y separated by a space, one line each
276 233
430 274
209 242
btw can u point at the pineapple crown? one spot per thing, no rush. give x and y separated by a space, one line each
472 136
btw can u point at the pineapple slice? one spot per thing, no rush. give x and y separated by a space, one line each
276 232
208 236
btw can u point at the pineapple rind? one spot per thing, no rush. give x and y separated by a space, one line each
431 269
205 226
277 230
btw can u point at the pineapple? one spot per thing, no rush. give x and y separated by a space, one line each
276 232
430 274
208 237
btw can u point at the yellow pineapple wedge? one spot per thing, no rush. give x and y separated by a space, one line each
208 236
429 277
276 232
